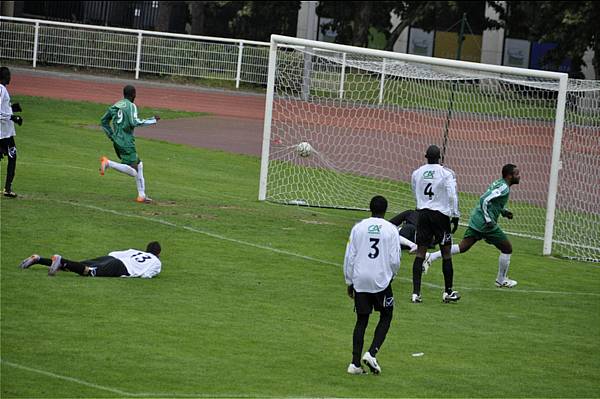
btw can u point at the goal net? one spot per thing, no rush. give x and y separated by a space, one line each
343 124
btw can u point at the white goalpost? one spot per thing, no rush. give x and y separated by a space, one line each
344 123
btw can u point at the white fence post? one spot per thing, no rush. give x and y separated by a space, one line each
138 56
239 66
343 75
35 42
555 165
382 82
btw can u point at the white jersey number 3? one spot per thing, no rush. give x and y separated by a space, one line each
141 259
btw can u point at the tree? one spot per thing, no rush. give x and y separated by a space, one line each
171 16
257 20
572 25
352 20
198 16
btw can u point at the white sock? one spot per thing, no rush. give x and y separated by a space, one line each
406 242
121 167
454 249
139 181
503 263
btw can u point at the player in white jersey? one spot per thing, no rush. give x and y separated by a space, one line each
372 260
129 263
434 187
7 131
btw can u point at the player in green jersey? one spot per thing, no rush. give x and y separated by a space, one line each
124 118
483 224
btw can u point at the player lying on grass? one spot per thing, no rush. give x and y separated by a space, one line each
483 224
407 228
124 117
129 263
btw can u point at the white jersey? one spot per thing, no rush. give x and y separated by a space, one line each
372 255
7 127
138 263
435 188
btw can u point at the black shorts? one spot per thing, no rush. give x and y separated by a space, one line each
8 147
106 266
382 301
433 227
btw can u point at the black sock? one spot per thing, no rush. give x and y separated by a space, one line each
448 274
385 320
10 171
358 338
45 261
417 272
73 266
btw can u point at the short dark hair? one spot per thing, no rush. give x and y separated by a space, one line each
508 169
433 153
378 205
154 248
4 73
128 91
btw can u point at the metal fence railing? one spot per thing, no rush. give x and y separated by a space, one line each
59 43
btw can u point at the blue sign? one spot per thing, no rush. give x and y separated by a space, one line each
539 50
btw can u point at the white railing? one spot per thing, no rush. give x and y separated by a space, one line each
138 51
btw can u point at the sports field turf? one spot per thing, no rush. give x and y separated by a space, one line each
251 300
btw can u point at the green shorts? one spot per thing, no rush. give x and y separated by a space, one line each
127 155
494 236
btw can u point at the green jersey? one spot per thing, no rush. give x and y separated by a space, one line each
124 118
491 205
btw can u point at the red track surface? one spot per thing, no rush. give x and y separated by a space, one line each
477 149
148 94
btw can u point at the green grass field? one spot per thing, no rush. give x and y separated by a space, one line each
251 300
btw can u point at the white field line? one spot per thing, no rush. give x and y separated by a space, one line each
133 394
193 189
70 379
288 253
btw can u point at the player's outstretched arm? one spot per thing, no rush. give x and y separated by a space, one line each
135 121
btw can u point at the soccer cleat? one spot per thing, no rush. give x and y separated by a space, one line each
9 193
415 298
55 267
413 249
426 263
451 297
371 363
352 369
32 260
103 165
144 200
507 283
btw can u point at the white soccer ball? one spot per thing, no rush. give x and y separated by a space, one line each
304 149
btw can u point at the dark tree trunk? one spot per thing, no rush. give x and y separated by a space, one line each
197 11
164 16
362 16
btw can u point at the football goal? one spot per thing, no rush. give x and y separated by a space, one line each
344 123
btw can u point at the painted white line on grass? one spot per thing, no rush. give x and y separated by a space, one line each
284 252
199 231
507 289
70 379
133 394
55 165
